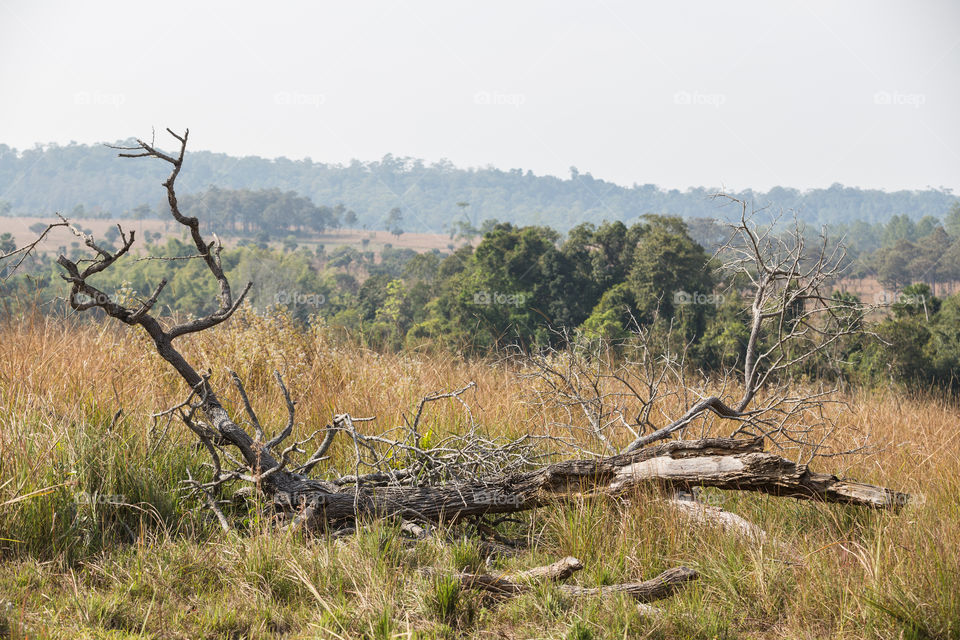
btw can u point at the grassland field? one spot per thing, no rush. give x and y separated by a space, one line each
96 540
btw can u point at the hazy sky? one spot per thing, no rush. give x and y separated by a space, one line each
731 94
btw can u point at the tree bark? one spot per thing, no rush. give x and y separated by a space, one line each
725 463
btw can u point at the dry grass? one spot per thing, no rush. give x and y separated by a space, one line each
74 564
19 227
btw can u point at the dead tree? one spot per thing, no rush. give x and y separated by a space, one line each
465 475
792 319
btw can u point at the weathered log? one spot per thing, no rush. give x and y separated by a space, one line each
559 570
755 471
663 586
725 463
513 584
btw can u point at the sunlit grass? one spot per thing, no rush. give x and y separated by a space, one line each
96 540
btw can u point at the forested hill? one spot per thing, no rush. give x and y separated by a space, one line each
59 178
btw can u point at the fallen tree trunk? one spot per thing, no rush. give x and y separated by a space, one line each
724 463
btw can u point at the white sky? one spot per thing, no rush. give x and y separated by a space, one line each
731 94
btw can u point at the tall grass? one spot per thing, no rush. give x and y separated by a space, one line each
95 538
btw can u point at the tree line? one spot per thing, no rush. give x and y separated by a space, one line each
62 178
903 251
530 287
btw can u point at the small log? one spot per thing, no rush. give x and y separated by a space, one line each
559 570
513 584
662 586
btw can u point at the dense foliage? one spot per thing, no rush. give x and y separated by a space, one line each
902 251
529 286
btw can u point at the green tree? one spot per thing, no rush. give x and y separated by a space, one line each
951 221
613 317
671 276
7 243
942 350
141 212
930 262
925 226
724 342
423 267
463 227
891 264
916 301
902 356
343 257
393 221
898 229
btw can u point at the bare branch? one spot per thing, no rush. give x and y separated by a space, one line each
254 420
25 251
287 430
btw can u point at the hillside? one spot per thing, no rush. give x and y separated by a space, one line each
51 178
